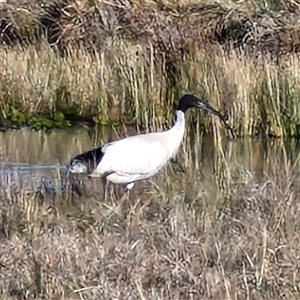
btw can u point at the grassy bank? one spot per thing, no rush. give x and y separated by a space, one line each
114 62
185 241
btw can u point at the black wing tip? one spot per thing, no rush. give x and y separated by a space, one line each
90 158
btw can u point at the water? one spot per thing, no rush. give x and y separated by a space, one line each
32 161
188 235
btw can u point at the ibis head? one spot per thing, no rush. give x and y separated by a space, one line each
188 101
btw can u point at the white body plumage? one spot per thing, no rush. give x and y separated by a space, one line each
141 156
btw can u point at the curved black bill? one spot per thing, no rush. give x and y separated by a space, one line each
223 118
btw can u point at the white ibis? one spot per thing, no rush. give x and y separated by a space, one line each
140 156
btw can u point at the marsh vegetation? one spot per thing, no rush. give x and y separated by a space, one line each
127 62
226 228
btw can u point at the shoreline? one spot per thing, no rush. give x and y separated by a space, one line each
129 64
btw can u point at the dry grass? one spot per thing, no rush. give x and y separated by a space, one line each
215 232
217 236
127 62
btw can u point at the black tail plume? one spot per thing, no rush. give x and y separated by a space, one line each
90 159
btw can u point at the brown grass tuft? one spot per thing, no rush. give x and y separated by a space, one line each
164 248
128 62
227 228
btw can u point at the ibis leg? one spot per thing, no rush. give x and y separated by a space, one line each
105 188
125 196
128 187
123 204
117 192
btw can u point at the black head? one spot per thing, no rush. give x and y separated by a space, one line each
188 101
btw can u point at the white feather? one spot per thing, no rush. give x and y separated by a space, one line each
141 156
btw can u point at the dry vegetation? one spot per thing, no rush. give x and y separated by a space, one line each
213 233
125 62
201 236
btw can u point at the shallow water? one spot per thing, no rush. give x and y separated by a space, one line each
202 220
32 161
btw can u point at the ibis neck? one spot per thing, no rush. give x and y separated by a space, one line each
175 134
179 121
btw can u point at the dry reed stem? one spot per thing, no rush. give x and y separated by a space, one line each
165 248
198 236
116 62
